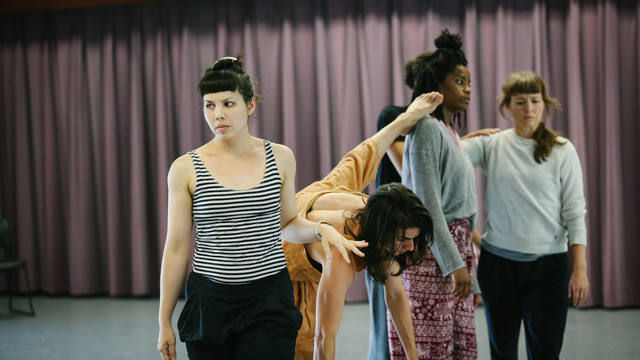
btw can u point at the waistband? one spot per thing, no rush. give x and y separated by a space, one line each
251 289
459 222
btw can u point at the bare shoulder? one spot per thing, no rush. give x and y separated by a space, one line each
284 156
181 171
283 151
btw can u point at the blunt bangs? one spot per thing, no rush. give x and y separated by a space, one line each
219 81
525 84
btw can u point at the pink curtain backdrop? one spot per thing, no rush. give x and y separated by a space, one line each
96 103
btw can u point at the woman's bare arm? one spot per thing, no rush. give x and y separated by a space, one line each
297 229
398 305
176 251
336 278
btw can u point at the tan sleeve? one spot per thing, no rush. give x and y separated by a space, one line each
355 171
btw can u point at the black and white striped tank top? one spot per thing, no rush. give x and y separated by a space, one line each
237 231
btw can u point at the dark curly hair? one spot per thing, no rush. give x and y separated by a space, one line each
434 68
412 68
228 74
390 208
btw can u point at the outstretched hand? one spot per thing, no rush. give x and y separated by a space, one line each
332 238
481 132
420 107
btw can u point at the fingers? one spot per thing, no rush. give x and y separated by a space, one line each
359 243
344 252
167 343
476 300
489 131
578 287
168 352
459 290
462 281
326 247
463 291
579 295
576 296
172 353
354 249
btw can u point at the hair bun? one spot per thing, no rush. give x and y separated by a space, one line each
228 62
449 41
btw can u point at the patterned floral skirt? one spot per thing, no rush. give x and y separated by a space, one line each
443 324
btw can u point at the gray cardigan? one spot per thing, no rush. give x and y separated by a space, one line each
441 175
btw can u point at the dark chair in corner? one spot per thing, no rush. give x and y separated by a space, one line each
10 266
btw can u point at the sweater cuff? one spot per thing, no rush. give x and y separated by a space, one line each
476 286
577 231
450 268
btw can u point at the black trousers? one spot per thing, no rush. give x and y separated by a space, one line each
535 292
252 321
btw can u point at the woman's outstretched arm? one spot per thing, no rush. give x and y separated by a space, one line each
421 106
299 230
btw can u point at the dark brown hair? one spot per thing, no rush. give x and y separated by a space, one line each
528 82
390 208
228 74
412 67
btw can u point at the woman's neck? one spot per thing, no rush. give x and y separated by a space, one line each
240 144
448 116
526 132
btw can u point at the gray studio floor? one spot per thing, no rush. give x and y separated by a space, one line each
108 328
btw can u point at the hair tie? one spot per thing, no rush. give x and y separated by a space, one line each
224 58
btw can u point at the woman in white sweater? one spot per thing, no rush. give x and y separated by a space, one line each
535 210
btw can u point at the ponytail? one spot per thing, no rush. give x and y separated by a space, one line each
545 140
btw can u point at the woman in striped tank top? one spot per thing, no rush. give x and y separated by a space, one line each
239 191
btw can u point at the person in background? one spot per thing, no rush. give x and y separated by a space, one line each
436 167
535 211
